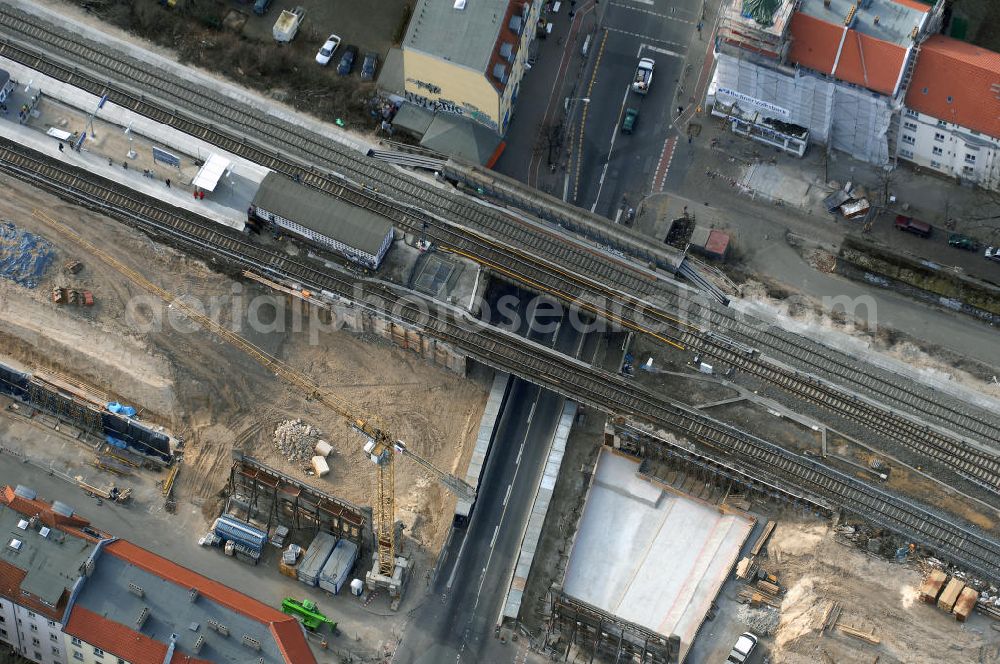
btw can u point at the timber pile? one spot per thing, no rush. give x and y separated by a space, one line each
858 634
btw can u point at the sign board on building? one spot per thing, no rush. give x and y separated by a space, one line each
763 105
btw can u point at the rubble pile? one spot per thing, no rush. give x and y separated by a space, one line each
762 621
296 440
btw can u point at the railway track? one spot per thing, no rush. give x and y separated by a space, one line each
571 271
511 353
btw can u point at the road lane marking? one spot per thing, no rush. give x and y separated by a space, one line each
507 497
663 166
614 136
668 17
644 37
496 531
583 119
657 49
454 570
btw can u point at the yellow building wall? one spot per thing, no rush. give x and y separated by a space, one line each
88 653
430 81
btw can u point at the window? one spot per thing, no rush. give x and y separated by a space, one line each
36 642
38 656
939 137
98 652
121 661
55 651
78 655
2 619
906 154
53 638
911 113
912 126
935 164
77 642
34 627
968 170
3 633
970 158
937 151
52 623
942 123
908 139
31 614
950 99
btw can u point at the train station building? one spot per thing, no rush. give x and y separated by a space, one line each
351 231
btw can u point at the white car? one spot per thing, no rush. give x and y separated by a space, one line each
992 254
745 645
328 49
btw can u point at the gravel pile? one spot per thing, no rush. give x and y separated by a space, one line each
296 440
762 621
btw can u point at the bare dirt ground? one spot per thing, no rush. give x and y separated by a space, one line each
875 594
216 397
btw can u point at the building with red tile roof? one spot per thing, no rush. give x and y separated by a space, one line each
69 592
951 122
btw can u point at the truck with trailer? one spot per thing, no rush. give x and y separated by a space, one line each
287 25
643 76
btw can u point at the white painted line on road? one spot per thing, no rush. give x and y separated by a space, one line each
618 215
531 414
645 37
451 579
657 49
507 497
614 136
496 531
668 17
644 2
517 461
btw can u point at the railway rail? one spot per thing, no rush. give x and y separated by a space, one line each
502 350
571 271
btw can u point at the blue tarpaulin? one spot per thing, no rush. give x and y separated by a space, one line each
121 409
114 442
24 256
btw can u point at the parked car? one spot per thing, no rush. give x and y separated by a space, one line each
369 66
328 49
960 241
745 645
992 254
347 60
630 120
260 7
911 225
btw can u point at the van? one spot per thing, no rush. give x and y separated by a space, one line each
911 225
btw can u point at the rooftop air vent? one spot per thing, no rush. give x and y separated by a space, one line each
193 594
44 531
143 616
251 642
136 590
15 544
459 4
23 524
25 492
198 644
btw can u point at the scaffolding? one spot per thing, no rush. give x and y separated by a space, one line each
272 498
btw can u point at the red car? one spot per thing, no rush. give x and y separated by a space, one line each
912 225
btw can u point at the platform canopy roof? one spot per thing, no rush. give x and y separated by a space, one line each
210 172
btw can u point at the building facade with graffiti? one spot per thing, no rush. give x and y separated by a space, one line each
467 57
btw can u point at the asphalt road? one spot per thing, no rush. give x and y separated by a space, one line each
607 166
459 620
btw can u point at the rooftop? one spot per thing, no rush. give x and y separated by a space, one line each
329 216
957 82
856 57
888 20
129 582
466 36
37 558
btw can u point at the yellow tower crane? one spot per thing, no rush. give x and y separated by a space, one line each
381 447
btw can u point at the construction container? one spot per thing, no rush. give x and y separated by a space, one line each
950 595
338 567
320 466
966 603
357 587
291 571
323 448
291 554
932 585
234 530
316 556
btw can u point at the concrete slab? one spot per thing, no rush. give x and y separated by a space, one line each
648 556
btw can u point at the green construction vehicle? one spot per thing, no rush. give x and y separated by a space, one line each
307 612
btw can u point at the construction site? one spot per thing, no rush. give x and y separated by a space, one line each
435 417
